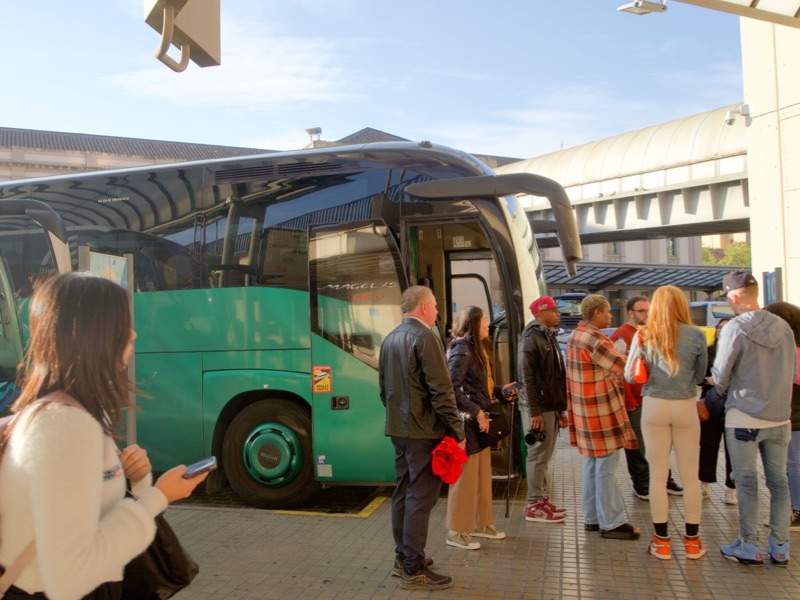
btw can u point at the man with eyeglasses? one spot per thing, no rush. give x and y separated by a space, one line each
637 309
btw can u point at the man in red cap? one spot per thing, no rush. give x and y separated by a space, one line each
543 405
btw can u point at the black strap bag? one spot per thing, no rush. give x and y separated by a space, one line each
501 416
162 570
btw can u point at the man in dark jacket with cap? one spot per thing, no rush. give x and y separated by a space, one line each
543 405
420 409
755 365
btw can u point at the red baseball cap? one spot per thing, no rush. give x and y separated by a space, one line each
542 303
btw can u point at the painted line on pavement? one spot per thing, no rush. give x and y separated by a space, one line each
364 513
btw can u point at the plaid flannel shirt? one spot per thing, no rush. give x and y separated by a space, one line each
598 421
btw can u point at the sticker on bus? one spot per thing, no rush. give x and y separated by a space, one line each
321 379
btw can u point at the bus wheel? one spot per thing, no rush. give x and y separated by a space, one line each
266 454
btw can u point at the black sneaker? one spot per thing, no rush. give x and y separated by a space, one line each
674 489
425 580
397 569
642 493
795 523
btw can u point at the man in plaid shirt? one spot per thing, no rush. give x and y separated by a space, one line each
598 422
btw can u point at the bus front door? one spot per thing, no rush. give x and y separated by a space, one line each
457 262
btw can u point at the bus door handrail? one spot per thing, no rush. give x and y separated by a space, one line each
508 185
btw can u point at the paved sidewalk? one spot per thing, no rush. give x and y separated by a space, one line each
249 554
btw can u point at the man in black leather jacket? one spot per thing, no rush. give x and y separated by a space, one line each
543 406
420 410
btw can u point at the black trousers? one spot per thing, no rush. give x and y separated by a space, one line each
638 468
107 591
414 497
711 432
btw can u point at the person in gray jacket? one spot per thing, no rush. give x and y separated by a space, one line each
755 365
420 409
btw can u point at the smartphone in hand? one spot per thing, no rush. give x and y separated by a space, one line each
200 467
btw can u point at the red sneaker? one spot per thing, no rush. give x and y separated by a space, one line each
540 512
555 509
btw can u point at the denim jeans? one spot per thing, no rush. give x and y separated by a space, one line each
602 500
794 470
538 456
773 445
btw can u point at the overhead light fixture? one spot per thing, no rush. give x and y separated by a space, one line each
642 7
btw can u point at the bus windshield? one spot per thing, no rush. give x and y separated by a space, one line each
527 252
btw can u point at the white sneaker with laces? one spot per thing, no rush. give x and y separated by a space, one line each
489 532
462 541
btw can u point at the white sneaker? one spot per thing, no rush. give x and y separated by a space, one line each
461 540
730 496
704 488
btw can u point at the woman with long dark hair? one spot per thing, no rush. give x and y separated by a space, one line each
676 356
62 479
469 502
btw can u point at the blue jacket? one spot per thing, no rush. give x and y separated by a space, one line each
692 361
755 365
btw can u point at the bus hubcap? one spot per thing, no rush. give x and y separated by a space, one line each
272 454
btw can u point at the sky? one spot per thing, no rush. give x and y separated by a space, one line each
509 77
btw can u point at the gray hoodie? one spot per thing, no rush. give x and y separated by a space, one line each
755 365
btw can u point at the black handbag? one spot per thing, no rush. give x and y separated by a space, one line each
500 425
162 570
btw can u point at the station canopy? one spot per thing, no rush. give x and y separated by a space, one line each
666 149
782 12
599 276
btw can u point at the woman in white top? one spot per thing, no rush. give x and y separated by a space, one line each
62 479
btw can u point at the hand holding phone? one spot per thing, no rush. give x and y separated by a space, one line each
201 466
175 486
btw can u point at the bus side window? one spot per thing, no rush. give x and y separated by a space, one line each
356 289
285 262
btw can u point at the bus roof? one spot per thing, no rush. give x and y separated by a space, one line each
146 198
374 151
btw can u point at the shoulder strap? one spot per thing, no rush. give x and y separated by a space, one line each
17 567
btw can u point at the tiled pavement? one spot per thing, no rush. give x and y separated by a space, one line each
248 554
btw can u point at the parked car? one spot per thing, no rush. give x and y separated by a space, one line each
707 313
569 307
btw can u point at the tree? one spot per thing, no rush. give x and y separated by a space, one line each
737 254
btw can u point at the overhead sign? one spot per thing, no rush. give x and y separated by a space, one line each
108 266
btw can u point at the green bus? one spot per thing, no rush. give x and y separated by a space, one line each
265 285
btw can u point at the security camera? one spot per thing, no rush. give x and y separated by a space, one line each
742 110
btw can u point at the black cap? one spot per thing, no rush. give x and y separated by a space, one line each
736 280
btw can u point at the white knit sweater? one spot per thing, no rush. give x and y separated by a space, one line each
61 478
